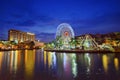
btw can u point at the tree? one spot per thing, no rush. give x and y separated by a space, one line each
73 42
58 42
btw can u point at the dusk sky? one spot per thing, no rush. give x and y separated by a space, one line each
42 17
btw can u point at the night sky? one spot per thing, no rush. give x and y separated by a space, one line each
43 16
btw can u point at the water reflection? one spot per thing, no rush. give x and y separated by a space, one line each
116 63
1 58
105 62
29 63
13 61
39 65
87 58
74 65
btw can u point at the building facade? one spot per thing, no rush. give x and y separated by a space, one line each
19 36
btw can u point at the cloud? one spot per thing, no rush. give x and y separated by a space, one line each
105 23
27 23
44 18
3 36
45 37
17 15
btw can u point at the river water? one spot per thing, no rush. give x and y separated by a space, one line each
42 65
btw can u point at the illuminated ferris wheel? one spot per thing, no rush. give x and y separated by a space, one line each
64 35
64 30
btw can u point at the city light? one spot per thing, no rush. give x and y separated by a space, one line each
59 39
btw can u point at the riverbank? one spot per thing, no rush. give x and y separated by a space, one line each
66 51
81 51
18 49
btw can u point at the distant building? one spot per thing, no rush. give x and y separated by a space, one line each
19 36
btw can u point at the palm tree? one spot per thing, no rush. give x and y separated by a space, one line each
58 42
73 42
31 44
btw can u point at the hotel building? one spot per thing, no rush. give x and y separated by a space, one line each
16 35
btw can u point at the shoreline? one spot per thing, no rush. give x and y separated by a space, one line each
67 51
17 49
81 51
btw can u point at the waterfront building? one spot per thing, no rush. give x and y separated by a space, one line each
19 36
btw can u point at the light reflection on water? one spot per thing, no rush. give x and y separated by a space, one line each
38 65
105 62
29 63
116 63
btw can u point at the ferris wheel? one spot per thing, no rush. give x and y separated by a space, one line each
65 30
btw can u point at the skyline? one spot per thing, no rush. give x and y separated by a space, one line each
43 17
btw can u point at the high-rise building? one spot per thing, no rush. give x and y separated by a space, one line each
16 35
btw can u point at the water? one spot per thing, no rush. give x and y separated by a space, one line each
38 65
